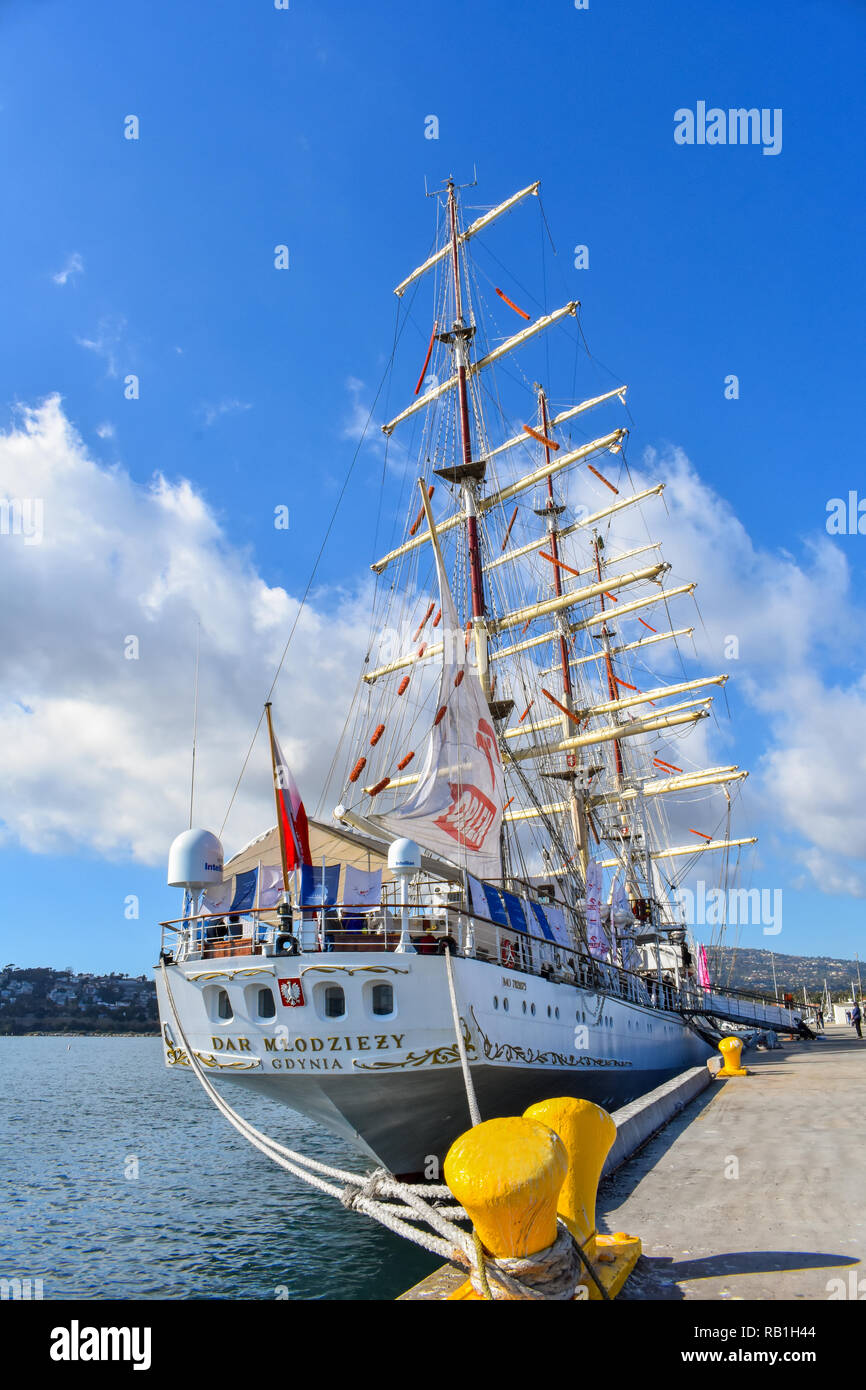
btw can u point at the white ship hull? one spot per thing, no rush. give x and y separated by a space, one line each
393 1084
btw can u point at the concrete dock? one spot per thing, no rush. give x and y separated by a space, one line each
757 1189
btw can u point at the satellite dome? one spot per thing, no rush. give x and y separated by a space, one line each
404 857
195 860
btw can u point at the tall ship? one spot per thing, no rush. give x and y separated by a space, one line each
492 906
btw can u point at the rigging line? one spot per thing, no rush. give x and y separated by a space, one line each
544 285
482 245
309 586
381 497
194 721
544 220
356 694
592 357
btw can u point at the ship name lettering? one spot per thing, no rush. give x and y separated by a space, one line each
512 984
305 1063
361 1043
231 1044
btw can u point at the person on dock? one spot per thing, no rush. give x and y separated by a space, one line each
856 1019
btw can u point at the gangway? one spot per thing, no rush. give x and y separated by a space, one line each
748 1011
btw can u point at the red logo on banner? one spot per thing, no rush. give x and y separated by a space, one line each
468 818
485 738
291 993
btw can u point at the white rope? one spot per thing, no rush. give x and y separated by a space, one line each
358 1192
551 1275
472 1100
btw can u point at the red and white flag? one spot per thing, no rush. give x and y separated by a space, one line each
290 809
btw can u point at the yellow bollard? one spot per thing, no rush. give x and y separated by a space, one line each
588 1133
730 1049
507 1175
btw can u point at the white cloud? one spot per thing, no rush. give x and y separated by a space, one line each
105 430
211 413
74 266
97 747
363 426
107 342
794 620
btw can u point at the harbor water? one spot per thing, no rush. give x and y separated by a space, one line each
121 1180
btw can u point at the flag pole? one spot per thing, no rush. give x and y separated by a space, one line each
280 828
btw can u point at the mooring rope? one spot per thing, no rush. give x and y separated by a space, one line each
471 1098
548 1274
357 1191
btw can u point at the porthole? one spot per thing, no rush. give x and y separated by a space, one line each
224 1005
505 1005
548 1011
265 1003
524 1006
335 1001
496 1001
532 1010
556 1012
382 999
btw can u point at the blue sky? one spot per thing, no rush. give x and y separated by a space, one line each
306 127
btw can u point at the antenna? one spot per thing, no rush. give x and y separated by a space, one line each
194 722
448 184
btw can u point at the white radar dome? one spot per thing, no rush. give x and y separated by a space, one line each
404 857
195 860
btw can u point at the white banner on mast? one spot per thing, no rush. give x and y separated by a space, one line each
598 943
456 809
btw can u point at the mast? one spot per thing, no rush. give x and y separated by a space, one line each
470 473
283 860
551 512
599 802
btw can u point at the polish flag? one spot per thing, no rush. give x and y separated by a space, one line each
293 817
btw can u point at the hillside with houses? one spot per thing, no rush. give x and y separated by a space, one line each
42 1000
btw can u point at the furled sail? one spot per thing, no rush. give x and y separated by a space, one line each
456 809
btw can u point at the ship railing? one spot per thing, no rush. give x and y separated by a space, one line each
377 927
266 931
557 961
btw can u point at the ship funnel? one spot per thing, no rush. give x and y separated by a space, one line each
195 860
